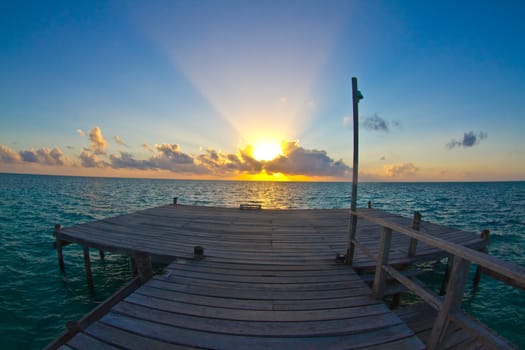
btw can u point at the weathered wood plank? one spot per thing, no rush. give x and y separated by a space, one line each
132 302
191 337
260 294
129 340
295 324
82 341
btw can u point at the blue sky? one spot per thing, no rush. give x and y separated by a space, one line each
191 89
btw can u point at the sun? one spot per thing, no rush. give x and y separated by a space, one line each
266 151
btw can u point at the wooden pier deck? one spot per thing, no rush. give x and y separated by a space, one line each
280 237
201 304
268 280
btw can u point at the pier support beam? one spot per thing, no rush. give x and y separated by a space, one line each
446 277
58 246
87 265
477 276
144 267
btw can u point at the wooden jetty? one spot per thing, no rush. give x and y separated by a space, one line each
274 279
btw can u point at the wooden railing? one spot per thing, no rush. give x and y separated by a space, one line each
449 307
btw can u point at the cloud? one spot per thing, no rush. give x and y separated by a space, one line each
470 139
373 123
98 142
300 161
401 170
376 123
7 155
81 132
148 147
168 157
173 153
90 160
119 141
222 163
43 156
295 161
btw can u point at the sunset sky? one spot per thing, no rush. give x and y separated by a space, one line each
261 90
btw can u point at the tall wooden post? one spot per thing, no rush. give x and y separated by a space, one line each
356 96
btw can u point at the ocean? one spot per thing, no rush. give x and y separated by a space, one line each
36 300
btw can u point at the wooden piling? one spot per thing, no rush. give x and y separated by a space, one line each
87 265
58 246
144 267
133 266
396 301
416 224
446 277
175 199
477 276
369 204
101 254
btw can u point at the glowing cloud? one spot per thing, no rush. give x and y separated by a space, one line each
147 147
119 141
299 161
294 160
90 160
401 170
7 155
266 161
98 142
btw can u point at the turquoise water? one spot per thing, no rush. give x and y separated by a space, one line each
36 299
